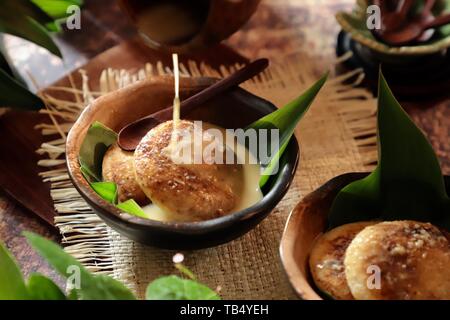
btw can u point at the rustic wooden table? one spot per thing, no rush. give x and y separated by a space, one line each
277 28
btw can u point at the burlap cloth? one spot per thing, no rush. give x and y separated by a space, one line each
336 136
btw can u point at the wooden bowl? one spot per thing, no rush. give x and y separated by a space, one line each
221 20
233 109
354 24
305 223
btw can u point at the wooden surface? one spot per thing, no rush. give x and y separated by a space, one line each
24 185
278 28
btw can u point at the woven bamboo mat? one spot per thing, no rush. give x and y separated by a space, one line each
336 136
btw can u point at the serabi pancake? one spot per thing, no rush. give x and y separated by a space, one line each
326 261
118 167
412 258
189 192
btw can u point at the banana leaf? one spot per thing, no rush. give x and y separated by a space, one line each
130 206
27 22
97 141
106 190
44 12
12 285
27 28
57 9
91 286
407 182
8 67
285 119
13 88
42 288
14 94
27 8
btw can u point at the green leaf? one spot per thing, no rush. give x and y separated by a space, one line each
97 141
358 201
87 174
285 119
54 254
25 27
7 65
407 183
92 287
176 288
26 8
13 94
104 287
106 190
43 288
12 285
441 8
57 8
73 295
54 26
130 206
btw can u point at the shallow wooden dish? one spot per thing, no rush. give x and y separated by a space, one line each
233 109
307 221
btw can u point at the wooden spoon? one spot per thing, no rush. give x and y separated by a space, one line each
414 30
130 136
393 20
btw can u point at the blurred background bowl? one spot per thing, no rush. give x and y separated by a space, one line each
355 25
186 26
416 71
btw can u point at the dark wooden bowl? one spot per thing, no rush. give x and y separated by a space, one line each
305 223
233 109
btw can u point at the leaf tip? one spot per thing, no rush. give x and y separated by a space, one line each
323 79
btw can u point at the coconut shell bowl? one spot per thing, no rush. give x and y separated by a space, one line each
306 222
234 109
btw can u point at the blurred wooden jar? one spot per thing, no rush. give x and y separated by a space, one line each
185 26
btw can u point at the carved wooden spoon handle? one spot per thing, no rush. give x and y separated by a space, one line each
438 22
249 71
